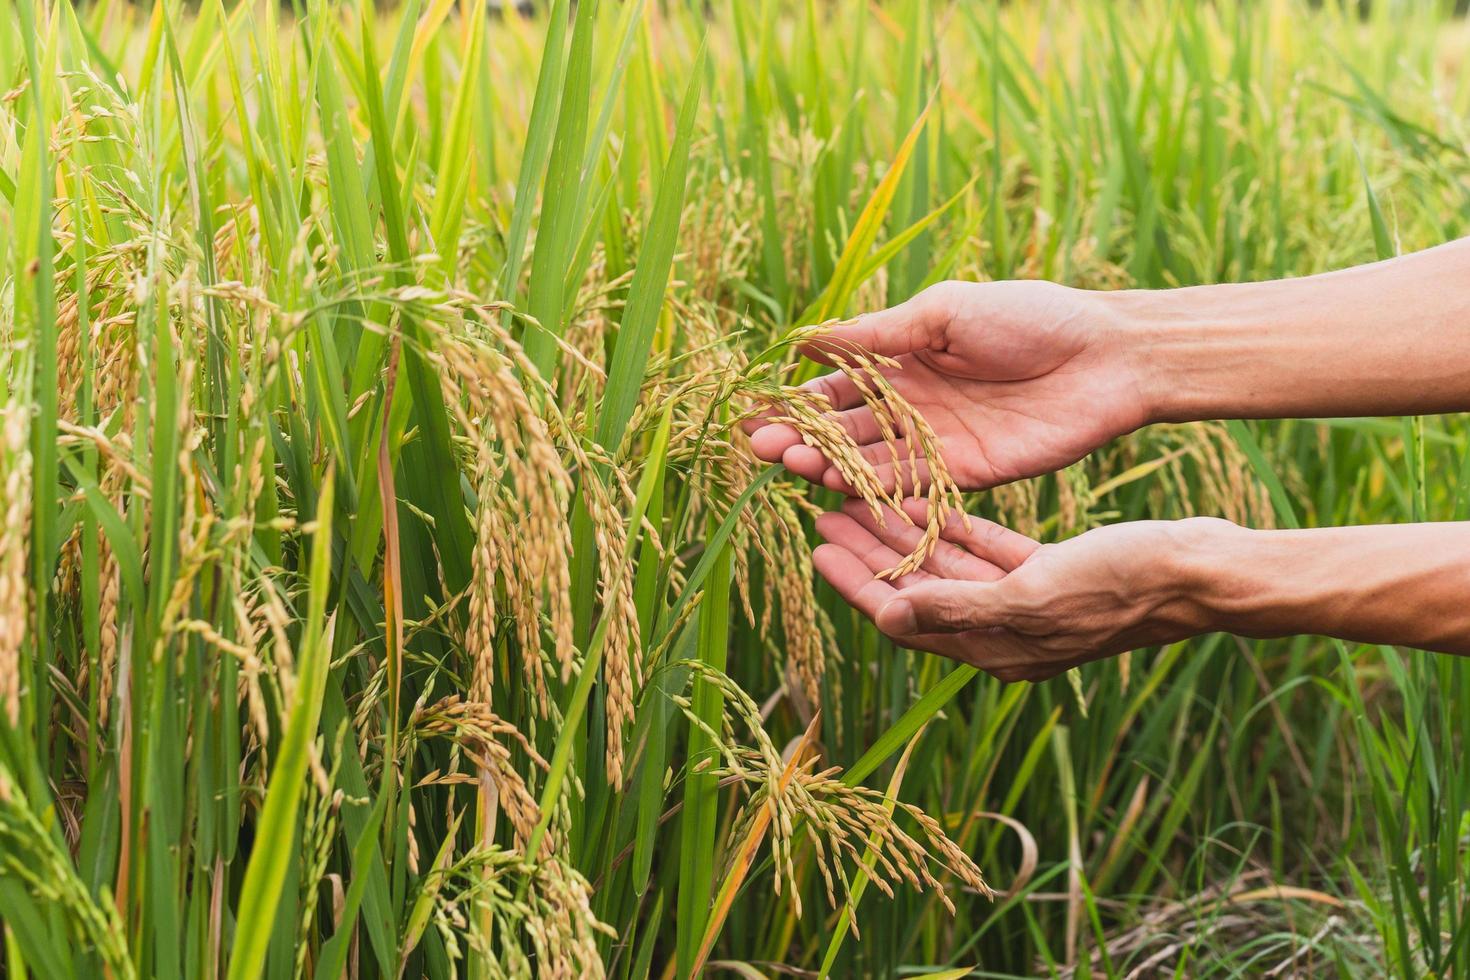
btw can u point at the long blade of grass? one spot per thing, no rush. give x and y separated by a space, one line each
557 231
697 840
432 473
865 230
544 111
860 879
265 875
651 277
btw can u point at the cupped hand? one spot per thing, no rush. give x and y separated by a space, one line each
1016 378
997 600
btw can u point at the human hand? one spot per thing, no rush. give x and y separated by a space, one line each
1016 379
1019 610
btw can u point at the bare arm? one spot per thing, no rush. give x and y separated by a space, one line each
1022 611
1403 584
1022 378
1391 338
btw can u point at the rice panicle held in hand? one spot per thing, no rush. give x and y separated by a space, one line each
812 414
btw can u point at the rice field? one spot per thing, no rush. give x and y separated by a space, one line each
387 588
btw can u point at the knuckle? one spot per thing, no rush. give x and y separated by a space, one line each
951 611
940 300
992 535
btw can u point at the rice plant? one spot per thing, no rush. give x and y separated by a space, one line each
386 587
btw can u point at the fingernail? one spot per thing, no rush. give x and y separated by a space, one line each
896 618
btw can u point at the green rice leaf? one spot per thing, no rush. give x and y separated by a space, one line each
265 875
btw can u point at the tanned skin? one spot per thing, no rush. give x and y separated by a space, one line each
1019 379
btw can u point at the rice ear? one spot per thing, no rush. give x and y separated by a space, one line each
812 415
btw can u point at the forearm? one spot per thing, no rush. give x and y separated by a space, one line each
1406 584
1391 338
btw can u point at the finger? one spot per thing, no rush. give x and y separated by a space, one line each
915 325
846 573
942 606
861 425
999 545
840 529
805 461
947 561
837 388
771 440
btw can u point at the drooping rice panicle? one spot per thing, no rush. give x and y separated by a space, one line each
498 289
812 415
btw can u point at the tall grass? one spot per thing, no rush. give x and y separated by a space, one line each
385 589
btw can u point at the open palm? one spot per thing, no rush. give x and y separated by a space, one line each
858 550
992 598
1015 378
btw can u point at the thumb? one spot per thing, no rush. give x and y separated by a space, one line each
942 606
914 325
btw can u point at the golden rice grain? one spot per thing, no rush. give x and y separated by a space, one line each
15 505
812 415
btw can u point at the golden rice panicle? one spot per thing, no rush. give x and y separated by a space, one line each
616 580
844 822
727 471
523 917
922 465
1224 481
522 538
15 508
484 735
559 919
811 414
899 425
604 491
849 820
581 374
800 628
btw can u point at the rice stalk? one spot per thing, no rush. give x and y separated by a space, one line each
273 254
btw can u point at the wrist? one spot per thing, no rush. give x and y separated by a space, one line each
1400 584
1260 584
1384 339
1205 572
1193 353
